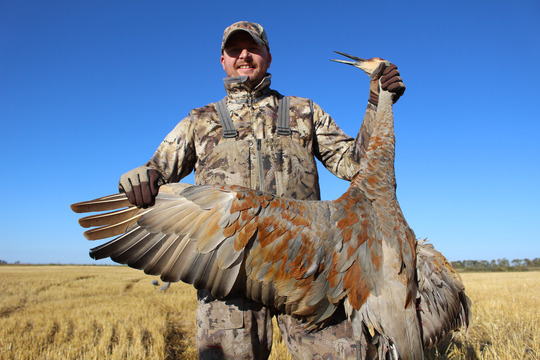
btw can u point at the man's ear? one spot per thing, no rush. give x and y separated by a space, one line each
222 59
269 59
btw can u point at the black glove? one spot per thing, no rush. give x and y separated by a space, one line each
390 81
141 186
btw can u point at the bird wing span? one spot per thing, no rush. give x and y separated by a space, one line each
281 252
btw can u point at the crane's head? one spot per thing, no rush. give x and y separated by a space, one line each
370 66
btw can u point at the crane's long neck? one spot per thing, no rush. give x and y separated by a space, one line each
395 301
376 174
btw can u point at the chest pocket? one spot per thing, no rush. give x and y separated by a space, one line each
277 165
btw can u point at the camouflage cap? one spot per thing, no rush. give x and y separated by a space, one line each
255 30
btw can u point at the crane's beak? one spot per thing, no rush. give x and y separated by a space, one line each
353 63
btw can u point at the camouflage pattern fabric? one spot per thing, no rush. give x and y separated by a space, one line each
333 342
196 143
236 328
255 30
261 159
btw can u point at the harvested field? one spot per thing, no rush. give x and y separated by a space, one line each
114 312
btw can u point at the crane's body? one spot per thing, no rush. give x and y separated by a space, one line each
300 257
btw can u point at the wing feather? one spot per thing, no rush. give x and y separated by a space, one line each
146 258
161 260
227 256
283 250
133 254
105 203
114 229
118 245
444 307
108 218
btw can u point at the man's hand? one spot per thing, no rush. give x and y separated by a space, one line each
141 186
390 81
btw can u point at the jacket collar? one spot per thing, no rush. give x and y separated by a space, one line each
240 90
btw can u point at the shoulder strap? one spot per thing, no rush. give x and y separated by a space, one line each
226 122
284 126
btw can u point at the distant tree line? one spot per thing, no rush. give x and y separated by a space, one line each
462 265
497 265
4 262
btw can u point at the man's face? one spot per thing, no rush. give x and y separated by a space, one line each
243 56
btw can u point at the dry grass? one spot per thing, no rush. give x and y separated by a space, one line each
101 312
91 312
505 322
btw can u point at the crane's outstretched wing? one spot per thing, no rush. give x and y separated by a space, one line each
301 257
444 307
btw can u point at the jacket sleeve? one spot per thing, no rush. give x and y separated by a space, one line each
337 151
175 157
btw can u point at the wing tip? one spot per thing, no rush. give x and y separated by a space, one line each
110 202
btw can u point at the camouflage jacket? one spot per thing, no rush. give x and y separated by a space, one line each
260 158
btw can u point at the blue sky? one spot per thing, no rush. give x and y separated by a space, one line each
88 89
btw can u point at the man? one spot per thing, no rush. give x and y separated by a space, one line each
257 138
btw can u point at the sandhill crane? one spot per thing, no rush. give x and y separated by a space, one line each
301 257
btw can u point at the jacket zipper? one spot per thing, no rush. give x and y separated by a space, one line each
260 164
259 150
